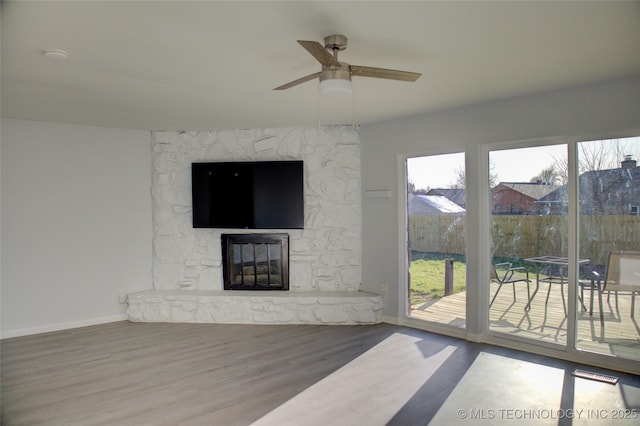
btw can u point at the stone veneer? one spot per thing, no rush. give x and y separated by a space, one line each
256 307
325 256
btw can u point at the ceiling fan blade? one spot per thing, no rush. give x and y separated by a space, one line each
298 81
319 52
384 73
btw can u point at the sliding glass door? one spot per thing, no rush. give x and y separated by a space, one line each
563 234
528 281
565 246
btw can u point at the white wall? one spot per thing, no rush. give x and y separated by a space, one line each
602 110
76 222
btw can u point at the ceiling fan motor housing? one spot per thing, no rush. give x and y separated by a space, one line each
335 42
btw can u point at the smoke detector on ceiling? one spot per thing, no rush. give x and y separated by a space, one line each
56 54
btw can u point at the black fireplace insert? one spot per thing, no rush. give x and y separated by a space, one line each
255 261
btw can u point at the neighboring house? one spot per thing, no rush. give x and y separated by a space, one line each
422 205
602 192
519 197
457 195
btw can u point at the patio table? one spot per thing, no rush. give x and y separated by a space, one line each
556 268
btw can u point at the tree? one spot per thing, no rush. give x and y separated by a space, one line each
460 182
598 155
411 189
594 156
548 176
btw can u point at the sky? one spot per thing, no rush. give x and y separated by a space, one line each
511 165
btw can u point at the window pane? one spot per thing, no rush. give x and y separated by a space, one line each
528 271
436 218
609 195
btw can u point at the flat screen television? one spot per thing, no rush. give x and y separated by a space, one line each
248 195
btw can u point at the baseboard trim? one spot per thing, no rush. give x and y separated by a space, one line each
62 326
475 337
390 320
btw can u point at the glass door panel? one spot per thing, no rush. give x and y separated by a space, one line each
528 285
436 244
609 196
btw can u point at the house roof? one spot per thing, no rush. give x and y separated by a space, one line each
599 180
457 195
532 190
203 65
432 205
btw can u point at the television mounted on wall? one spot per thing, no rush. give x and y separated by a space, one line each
248 195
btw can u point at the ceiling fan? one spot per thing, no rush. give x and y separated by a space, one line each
335 76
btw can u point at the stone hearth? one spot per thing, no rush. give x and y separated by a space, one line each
255 307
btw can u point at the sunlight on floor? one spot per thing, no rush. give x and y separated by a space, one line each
498 389
369 390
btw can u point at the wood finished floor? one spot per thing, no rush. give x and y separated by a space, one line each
207 374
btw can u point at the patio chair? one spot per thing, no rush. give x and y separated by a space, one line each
622 275
589 281
589 284
504 273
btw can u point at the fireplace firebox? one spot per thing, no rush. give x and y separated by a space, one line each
255 261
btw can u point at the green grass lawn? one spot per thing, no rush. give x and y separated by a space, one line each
427 276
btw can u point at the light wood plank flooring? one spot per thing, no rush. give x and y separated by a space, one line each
211 374
165 373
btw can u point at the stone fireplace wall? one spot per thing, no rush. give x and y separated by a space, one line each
325 256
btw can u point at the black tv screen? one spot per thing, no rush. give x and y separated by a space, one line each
250 195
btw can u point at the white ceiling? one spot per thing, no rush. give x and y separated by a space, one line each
212 65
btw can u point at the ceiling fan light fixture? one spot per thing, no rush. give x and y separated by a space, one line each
336 86
335 82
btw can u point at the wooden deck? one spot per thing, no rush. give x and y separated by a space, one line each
547 321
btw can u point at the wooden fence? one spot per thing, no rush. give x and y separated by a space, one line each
529 236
